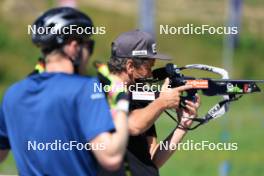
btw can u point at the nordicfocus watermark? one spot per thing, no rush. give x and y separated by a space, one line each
125 87
190 145
191 29
58 145
67 30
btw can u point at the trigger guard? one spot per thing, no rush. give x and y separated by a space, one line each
183 98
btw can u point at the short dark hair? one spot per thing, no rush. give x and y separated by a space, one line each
89 44
118 65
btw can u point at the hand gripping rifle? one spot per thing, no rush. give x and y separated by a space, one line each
231 90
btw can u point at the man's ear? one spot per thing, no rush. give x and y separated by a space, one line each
71 48
130 67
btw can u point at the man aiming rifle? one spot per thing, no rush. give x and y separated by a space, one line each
133 56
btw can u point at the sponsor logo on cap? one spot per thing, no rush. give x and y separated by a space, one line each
154 48
139 53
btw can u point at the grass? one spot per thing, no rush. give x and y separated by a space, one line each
245 129
244 123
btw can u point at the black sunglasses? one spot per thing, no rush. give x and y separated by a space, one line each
89 45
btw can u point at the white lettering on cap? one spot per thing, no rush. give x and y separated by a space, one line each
154 48
139 53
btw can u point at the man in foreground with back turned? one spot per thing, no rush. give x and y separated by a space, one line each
133 55
59 109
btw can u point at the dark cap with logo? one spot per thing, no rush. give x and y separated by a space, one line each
136 44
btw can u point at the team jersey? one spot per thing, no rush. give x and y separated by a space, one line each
137 161
114 88
45 116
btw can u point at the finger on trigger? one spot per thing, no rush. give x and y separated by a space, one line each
183 88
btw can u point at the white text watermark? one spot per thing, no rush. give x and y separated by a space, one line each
190 145
67 30
58 145
191 29
125 87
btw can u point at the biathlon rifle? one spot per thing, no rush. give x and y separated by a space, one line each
230 89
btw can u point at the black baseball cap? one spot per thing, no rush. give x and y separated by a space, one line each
136 44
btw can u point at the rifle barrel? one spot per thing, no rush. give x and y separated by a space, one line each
237 80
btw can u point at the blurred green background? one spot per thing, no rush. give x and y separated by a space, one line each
244 124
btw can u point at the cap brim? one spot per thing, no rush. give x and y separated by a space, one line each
161 57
